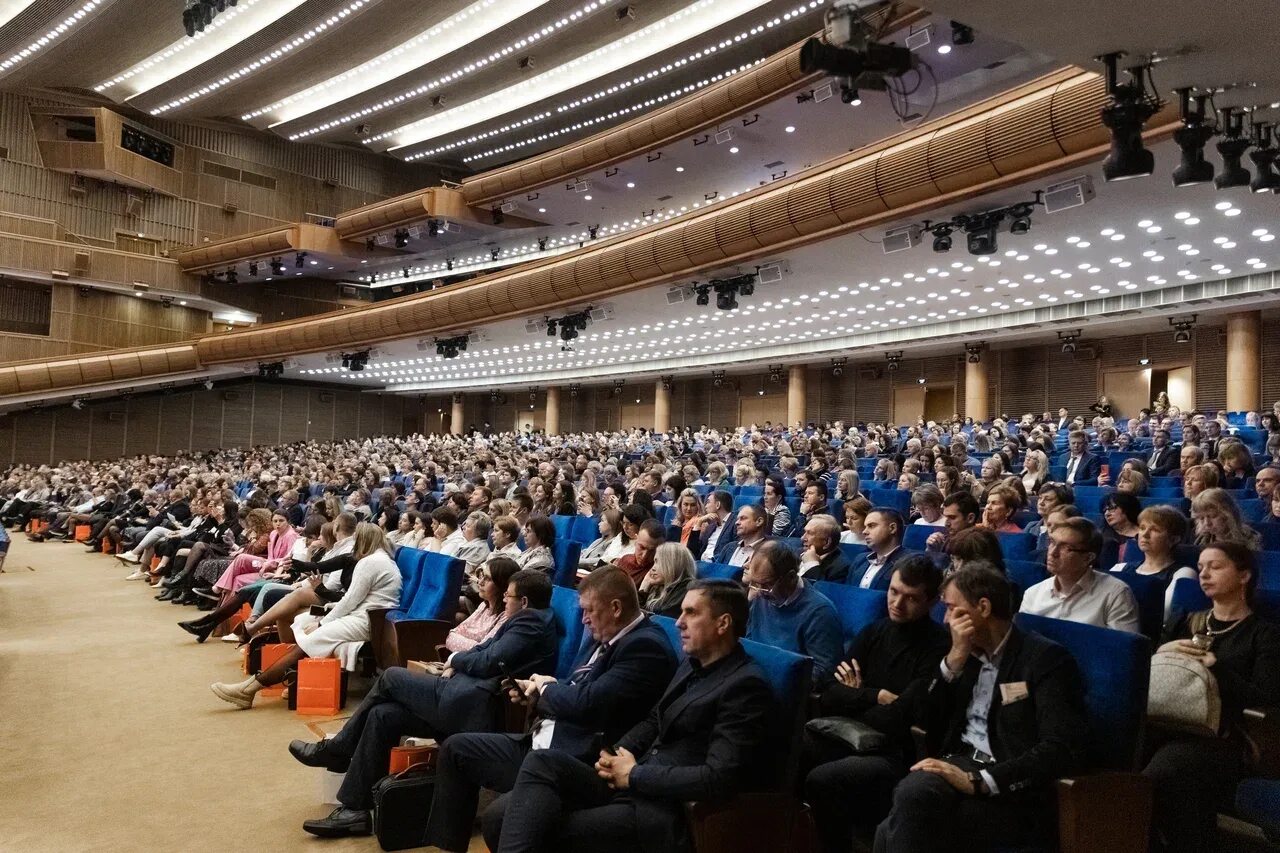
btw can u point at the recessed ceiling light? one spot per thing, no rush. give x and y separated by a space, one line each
733 150
587 197
944 49
790 129
631 185
542 210
1222 205
679 168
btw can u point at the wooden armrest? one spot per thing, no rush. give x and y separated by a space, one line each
416 639
1261 727
1104 812
774 821
378 639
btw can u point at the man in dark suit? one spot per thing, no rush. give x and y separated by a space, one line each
1082 466
822 559
1164 456
882 531
1005 714
616 680
705 739
716 527
751 528
466 695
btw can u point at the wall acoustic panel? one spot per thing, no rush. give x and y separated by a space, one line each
143 428
266 414
175 423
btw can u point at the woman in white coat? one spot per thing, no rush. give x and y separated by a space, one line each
375 583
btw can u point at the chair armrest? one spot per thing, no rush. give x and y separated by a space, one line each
1104 812
774 821
378 637
1261 728
416 639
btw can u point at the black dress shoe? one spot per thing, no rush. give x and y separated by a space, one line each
200 628
316 753
168 593
340 823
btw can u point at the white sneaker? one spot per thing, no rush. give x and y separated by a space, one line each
230 637
136 576
129 557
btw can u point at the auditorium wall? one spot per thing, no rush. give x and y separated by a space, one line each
1025 379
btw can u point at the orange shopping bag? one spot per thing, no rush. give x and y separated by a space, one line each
319 688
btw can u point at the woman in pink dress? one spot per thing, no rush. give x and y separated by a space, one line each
246 568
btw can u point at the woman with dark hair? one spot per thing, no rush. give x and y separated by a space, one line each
1120 511
488 617
217 542
1195 775
1160 529
775 507
539 537
562 499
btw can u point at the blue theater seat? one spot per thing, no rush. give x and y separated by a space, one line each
564 602
708 569
566 554
857 608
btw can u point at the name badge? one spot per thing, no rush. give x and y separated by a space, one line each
1013 691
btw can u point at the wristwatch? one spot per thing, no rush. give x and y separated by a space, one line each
979 784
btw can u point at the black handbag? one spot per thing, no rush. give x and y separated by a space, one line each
402 806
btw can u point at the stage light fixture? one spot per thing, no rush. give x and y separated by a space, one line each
942 238
270 369
355 361
726 297
1126 114
961 34
401 238
717 378
702 294
1182 328
893 361
370 244
1069 341
299 259
1020 219
1191 138
77 403
498 217
973 352
980 234
433 228
618 385
837 365
253 269
775 373
448 264
542 244
551 328
232 277
1231 147
277 266
1263 155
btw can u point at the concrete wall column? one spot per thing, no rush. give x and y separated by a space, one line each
1244 361
552 425
456 423
975 388
796 394
662 406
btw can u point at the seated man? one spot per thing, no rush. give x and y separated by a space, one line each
1005 714
788 613
617 678
707 738
751 527
638 563
886 658
960 511
1077 591
822 559
464 696
882 531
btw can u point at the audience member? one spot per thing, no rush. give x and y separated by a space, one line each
1077 591
788 613
883 532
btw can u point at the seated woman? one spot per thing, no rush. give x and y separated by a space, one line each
401 530
257 536
997 515
167 548
663 588
1160 529
1120 512
588 502
1237 465
562 499
375 583
539 537
908 482
610 528
214 544
417 532
1217 518
855 516
774 502
486 619
1035 470
926 503
1193 775
1131 481
1198 478
248 568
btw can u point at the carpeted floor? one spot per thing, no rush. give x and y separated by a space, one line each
110 739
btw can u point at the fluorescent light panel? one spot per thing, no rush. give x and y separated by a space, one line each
55 33
691 21
228 29
10 9
453 33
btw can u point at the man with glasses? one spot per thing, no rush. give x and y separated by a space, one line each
1077 592
788 613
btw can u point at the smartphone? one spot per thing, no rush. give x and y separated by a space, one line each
1106 470
506 672
612 750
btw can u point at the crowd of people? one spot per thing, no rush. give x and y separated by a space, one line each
922 513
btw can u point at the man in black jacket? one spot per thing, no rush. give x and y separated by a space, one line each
465 696
1164 456
705 739
616 680
1005 713
822 559
890 662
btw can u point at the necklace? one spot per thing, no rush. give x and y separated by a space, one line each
1204 639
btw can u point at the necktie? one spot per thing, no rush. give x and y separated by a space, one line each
1071 469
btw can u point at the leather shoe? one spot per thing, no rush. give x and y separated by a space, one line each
168 593
317 754
200 628
340 823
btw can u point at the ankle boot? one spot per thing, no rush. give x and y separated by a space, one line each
199 628
240 694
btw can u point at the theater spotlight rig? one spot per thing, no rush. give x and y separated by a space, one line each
851 51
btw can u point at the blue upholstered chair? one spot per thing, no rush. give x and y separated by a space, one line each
566 553
412 631
706 569
857 608
564 602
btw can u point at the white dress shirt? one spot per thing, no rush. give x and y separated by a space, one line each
709 552
742 554
1095 599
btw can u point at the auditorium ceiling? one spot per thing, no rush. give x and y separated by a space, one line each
1140 252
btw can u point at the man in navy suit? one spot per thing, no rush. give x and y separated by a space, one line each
882 531
464 696
1164 456
1082 466
751 528
617 678
708 737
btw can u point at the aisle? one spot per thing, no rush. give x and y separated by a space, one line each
109 737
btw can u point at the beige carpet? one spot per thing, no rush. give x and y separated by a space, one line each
110 739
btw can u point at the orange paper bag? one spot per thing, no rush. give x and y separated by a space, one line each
319 689
83 532
270 654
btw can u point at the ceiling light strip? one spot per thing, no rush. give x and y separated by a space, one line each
278 52
452 76
643 77
76 17
11 9
687 23
453 33
227 30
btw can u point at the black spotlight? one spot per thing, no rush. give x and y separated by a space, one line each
1020 216
551 328
542 244
1192 138
942 238
433 228
448 264
1125 116
300 259
402 238
498 217
189 21
961 33
277 266
887 59
232 278
981 235
370 244
726 296
1263 156
717 378
703 296
593 231
253 269
1232 147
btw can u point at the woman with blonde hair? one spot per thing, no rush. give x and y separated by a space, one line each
1132 481
375 583
663 588
1217 519
886 471
848 485
1199 478
1237 464
1035 470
